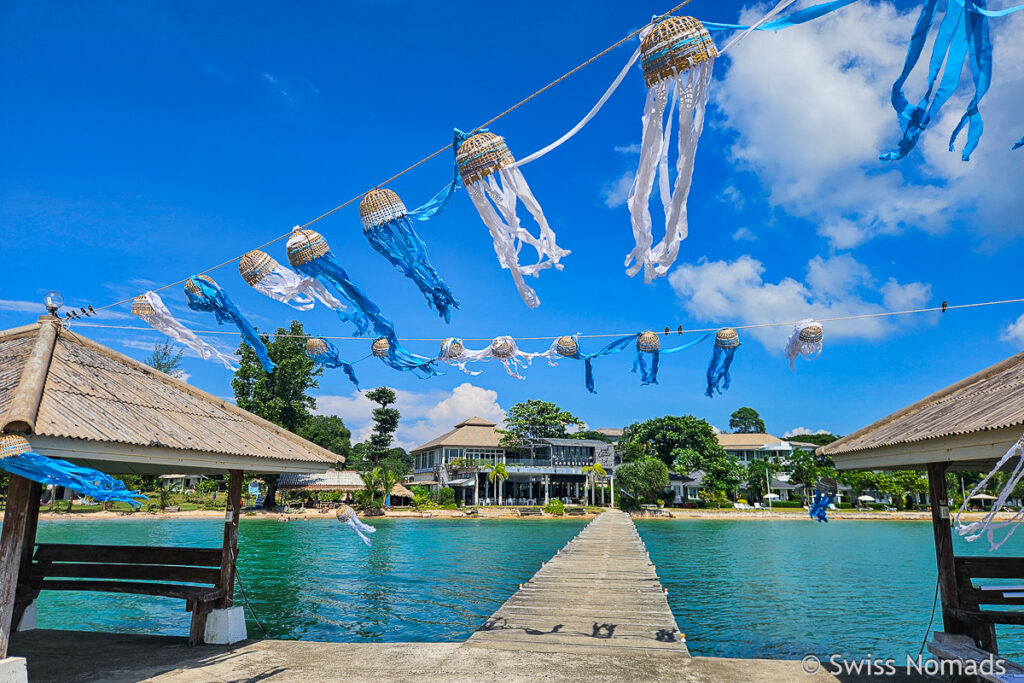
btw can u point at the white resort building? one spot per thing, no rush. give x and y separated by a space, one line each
548 469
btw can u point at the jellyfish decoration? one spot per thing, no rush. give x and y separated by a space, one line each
17 457
503 349
805 340
648 343
347 516
264 274
1012 465
824 493
677 56
961 38
150 307
483 159
568 347
453 352
206 295
726 343
387 225
398 358
324 353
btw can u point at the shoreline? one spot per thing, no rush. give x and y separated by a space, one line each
508 513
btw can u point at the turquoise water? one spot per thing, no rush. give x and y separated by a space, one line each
740 589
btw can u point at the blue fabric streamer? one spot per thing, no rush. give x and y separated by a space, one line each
588 358
798 17
819 510
397 241
981 9
328 270
83 480
215 300
718 370
962 36
1018 144
331 358
649 374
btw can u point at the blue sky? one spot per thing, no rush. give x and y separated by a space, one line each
146 141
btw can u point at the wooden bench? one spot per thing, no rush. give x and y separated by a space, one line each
575 512
529 512
189 574
961 648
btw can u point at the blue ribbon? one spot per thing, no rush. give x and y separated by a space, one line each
819 510
83 480
981 71
399 358
798 17
213 299
718 375
331 358
608 349
981 9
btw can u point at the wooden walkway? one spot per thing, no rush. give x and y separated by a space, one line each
599 592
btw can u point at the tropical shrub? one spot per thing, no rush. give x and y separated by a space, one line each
555 507
446 497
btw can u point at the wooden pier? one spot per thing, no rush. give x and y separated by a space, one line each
598 593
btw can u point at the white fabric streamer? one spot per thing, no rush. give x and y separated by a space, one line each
162 320
290 288
496 204
750 29
796 347
516 361
689 91
986 525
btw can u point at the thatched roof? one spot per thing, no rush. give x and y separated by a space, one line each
475 432
76 399
331 480
970 424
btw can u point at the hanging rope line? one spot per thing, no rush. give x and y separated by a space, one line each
422 161
862 316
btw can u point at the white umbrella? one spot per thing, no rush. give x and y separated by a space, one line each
770 495
866 499
983 496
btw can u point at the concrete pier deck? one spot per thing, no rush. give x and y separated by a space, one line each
600 592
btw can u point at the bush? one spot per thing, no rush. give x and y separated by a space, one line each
555 507
742 500
446 497
786 504
845 506
628 504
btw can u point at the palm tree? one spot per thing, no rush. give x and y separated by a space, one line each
496 471
386 480
592 472
371 482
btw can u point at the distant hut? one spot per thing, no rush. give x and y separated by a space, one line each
969 425
75 399
346 482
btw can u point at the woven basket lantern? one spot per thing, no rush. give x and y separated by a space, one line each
811 334
315 346
482 155
501 349
674 45
254 265
454 350
726 338
12 444
566 346
648 341
379 207
192 288
141 306
381 346
344 513
310 245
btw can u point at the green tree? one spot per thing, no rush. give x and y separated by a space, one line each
166 357
385 423
496 472
330 432
816 439
671 438
398 461
592 472
746 421
591 435
724 473
859 482
899 484
758 472
646 479
281 396
530 420
804 470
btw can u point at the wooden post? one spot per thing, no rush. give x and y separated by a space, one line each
12 540
25 594
943 545
230 548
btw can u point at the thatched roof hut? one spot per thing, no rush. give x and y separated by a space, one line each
332 480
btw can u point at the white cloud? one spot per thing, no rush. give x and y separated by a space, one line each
732 195
744 234
735 292
181 375
811 109
22 306
616 192
1014 334
628 149
425 415
802 431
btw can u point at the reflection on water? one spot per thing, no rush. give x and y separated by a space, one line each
777 589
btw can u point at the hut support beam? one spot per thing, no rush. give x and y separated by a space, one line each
12 541
25 594
230 547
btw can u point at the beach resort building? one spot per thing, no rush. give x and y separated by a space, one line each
545 470
311 485
747 447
